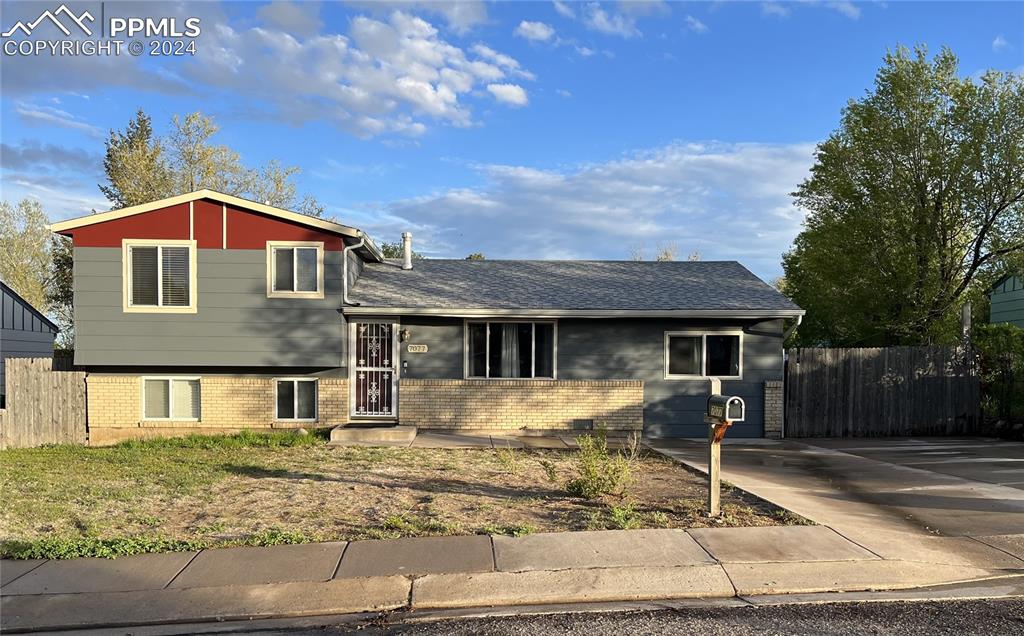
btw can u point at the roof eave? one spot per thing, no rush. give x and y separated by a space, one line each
476 312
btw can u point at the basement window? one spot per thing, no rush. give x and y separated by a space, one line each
510 349
295 399
159 276
703 355
171 399
295 269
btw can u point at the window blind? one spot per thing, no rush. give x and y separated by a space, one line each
144 276
175 276
185 399
157 399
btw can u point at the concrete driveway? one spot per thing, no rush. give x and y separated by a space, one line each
940 500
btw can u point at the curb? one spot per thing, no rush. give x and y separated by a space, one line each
513 592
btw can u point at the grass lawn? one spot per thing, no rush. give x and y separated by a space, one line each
260 489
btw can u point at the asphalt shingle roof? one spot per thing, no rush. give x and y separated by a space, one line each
566 285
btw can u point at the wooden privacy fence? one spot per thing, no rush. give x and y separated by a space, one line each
881 391
43 406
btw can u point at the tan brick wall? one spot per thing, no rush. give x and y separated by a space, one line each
773 409
509 405
228 404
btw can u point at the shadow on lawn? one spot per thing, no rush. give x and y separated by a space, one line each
432 485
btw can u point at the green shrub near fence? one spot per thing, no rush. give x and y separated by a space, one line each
1000 356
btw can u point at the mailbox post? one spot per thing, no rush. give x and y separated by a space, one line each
721 412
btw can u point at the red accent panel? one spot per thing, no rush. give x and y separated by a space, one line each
251 231
165 223
206 226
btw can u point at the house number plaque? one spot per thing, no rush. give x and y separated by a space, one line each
417 348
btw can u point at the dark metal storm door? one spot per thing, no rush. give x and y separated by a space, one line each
373 378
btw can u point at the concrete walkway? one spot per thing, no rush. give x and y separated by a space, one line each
454 572
943 500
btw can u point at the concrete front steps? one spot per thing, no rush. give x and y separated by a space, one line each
372 435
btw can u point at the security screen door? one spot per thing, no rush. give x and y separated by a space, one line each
374 366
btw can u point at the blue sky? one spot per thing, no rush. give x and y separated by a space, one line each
521 130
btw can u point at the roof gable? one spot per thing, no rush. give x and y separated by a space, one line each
67 227
7 292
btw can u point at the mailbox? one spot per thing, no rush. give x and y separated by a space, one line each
722 408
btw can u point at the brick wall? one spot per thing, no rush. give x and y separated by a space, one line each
773 409
228 404
510 405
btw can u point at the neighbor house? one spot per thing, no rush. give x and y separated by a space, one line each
25 332
1007 300
207 312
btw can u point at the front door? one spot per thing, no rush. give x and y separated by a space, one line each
373 370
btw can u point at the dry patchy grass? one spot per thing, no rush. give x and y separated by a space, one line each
159 495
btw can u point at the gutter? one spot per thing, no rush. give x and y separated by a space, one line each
575 313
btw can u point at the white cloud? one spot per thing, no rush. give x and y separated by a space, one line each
563 93
644 7
504 61
385 76
461 16
1000 43
695 25
297 18
845 7
48 115
585 51
534 31
564 10
730 201
597 19
511 94
774 8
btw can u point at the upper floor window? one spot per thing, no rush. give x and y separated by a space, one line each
510 350
702 355
295 269
159 276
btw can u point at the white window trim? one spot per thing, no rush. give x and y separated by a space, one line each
126 276
703 335
533 364
272 266
295 400
170 398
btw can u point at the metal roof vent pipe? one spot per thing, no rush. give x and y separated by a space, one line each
406 250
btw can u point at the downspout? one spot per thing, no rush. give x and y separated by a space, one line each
344 267
789 332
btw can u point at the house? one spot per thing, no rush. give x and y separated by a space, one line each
1007 300
207 312
24 332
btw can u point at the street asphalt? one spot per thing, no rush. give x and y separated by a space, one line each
992 618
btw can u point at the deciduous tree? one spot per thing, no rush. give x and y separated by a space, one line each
913 203
24 250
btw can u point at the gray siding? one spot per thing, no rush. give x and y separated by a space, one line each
1008 302
620 349
444 357
23 333
625 349
236 324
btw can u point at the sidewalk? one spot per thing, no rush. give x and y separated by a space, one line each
894 510
454 572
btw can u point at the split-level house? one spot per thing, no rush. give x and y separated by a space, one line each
206 312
